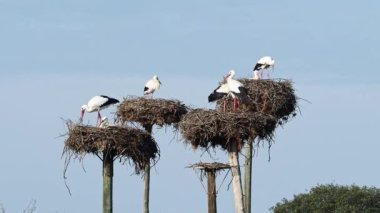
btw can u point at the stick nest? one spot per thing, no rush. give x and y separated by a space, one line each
124 143
206 128
148 112
270 97
215 166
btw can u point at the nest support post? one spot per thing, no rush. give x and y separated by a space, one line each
233 157
107 181
148 128
211 190
248 177
210 170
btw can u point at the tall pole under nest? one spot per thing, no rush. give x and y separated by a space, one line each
211 191
248 176
210 170
233 157
107 181
148 128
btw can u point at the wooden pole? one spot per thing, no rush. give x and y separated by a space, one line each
107 181
211 188
233 157
248 177
147 188
148 128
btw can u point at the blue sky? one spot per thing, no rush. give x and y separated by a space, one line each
55 55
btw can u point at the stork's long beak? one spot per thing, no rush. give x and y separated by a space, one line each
226 76
81 115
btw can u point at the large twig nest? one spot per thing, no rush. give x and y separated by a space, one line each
149 112
271 97
125 143
205 128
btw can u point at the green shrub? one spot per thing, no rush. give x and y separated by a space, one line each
332 198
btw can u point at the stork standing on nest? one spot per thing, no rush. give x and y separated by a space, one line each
264 63
97 103
151 86
230 87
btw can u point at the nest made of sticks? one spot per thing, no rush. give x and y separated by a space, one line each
272 97
125 143
205 128
215 166
148 112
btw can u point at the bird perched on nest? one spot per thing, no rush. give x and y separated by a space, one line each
104 122
151 86
97 103
230 87
264 63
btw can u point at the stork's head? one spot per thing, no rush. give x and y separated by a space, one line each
82 110
271 62
155 77
230 75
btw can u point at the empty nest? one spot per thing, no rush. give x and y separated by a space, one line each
215 166
271 97
124 143
205 128
149 112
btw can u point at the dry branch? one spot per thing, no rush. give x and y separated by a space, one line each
149 112
205 128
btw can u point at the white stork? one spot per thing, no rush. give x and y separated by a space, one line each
231 87
152 85
97 103
264 63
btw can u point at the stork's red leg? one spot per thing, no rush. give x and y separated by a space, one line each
268 73
99 119
224 105
234 104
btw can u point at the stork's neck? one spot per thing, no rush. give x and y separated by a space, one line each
86 108
256 75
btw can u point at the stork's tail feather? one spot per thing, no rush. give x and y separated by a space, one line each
113 101
243 95
215 96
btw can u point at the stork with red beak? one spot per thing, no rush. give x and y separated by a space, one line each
97 103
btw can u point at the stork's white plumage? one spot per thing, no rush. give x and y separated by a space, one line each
152 85
256 75
264 63
231 87
104 122
97 103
